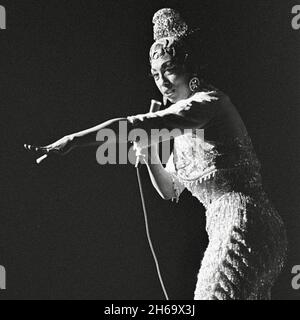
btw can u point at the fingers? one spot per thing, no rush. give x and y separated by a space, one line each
28 147
36 148
44 150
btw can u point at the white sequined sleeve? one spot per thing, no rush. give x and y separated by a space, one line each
177 185
191 113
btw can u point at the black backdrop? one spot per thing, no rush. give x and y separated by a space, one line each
72 229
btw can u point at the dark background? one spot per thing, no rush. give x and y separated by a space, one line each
72 229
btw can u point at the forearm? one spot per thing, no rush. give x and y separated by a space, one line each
160 178
88 137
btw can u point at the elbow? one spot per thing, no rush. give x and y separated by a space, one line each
168 193
166 197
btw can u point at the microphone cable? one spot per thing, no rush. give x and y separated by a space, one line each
148 235
155 105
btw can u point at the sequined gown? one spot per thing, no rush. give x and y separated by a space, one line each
247 240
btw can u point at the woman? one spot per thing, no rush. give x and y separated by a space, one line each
247 240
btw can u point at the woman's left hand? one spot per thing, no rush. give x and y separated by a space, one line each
60 147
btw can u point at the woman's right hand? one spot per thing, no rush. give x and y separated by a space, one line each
149 155
60 147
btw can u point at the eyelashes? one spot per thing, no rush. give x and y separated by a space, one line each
151 76
170 70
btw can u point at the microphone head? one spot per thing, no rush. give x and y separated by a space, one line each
155 105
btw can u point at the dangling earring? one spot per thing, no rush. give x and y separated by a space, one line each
194 84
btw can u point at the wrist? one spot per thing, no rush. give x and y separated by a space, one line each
74 140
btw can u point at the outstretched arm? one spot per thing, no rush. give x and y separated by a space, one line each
83 138
88 137
186 114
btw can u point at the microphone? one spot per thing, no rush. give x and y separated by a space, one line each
42 158
155 106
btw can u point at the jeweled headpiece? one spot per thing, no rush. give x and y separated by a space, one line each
168 23
168 32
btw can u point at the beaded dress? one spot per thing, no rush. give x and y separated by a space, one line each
218 165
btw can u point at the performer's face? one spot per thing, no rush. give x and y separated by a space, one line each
171 80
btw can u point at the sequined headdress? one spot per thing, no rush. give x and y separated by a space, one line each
168 23
169 31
